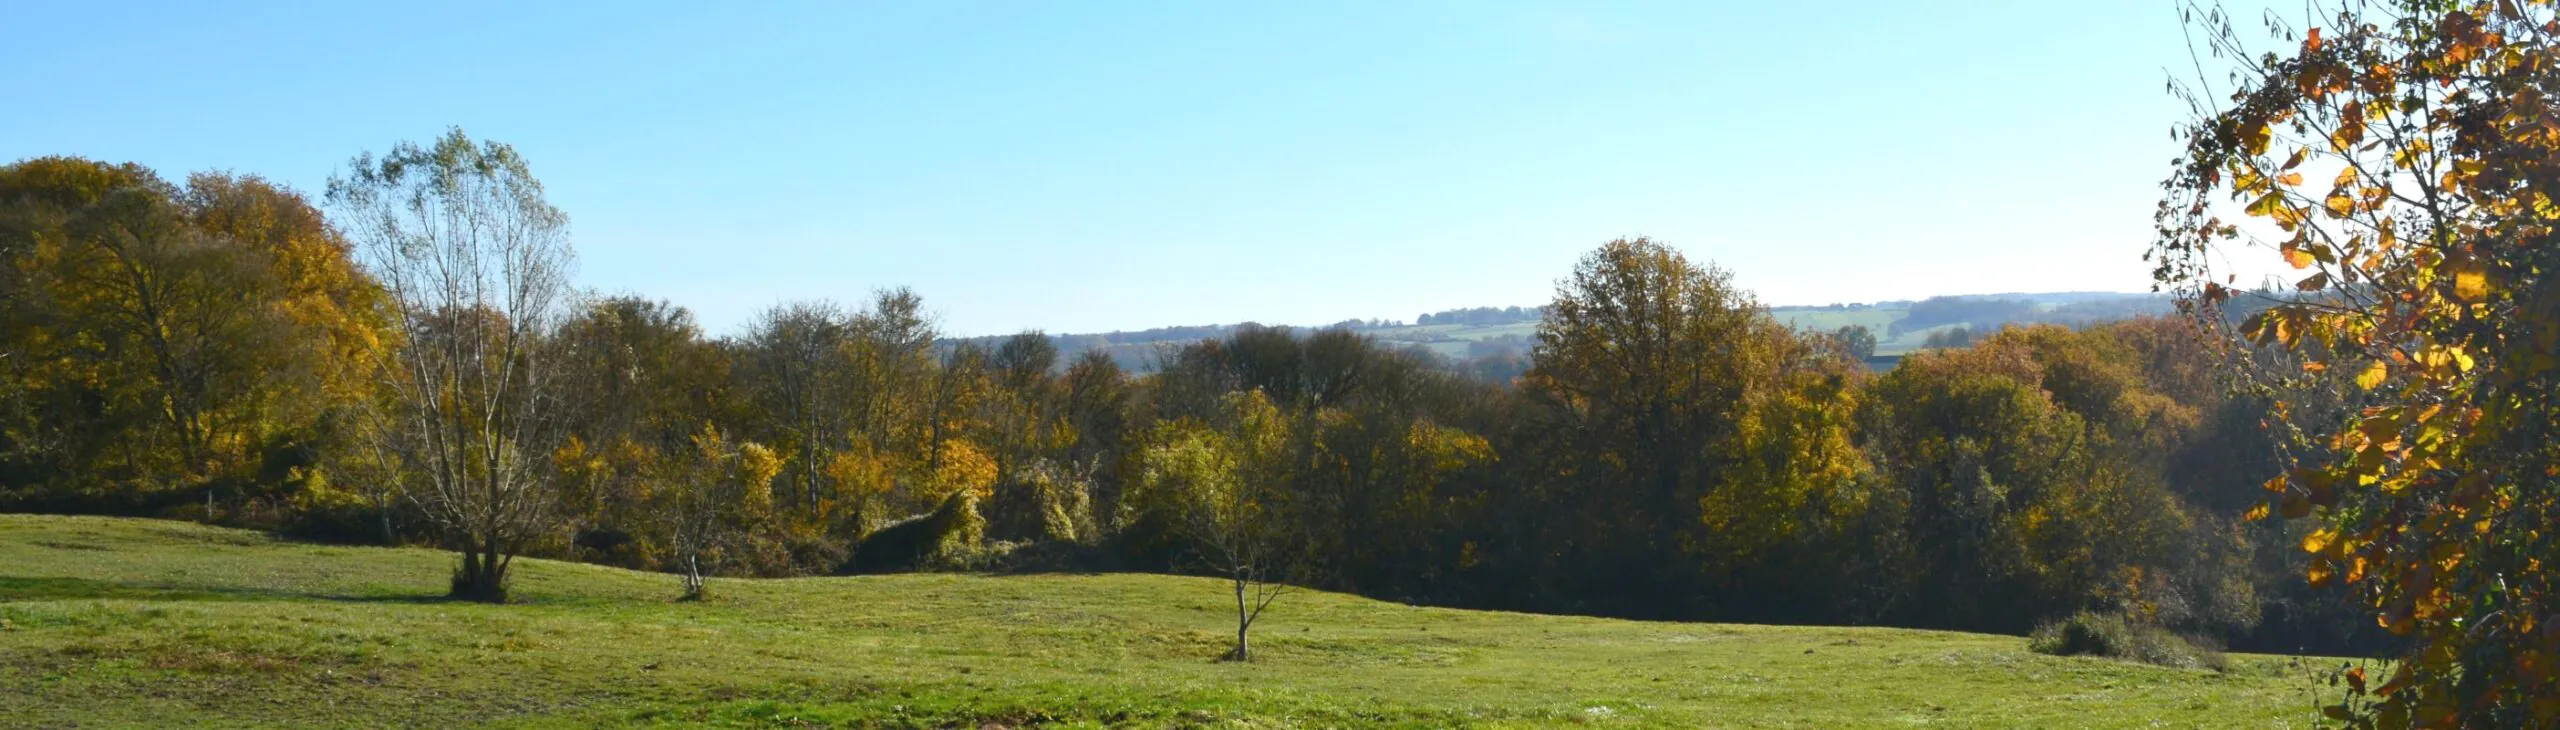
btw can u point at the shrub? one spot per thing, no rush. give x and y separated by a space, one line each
1066 506
1043 501
2089 633
950 534
812 553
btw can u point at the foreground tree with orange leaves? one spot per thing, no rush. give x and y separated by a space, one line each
2404 158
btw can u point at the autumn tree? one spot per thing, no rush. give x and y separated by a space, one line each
893 361
892 383
167 331
952 460
476 263
51 371
1096 411
2033 481
851 399
292 373
793 371
1647 370
1023 409
1378 458
1374 491
176 305
1792 483
170 336
1037 492
712 497
642 369
1023 363
2400 156
1217 487
323 316
636 372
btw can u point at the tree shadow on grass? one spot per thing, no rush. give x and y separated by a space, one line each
14 588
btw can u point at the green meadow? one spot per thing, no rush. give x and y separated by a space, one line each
120 622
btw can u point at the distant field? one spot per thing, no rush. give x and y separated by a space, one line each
1826 320
114 622
1451 339
1137 351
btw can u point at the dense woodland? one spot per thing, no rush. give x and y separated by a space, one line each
222 350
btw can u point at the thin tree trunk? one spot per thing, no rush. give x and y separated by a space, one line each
382 506
692 578
1244 620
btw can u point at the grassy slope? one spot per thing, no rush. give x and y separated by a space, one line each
1877 321
1826 320
135 622
1808 320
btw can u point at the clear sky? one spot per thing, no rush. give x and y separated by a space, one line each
1083 166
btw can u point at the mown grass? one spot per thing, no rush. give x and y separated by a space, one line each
111 623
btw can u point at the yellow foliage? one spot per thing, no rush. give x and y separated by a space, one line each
964 467
859 472
1445 449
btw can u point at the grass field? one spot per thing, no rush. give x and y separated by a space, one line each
1827 320
1877 321
115 622
1451 340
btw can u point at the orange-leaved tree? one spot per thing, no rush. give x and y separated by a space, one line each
2403 158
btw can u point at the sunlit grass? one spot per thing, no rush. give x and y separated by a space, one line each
132 622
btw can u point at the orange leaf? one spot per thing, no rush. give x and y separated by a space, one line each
2299 258
2350 128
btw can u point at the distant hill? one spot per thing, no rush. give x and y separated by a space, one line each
1474 333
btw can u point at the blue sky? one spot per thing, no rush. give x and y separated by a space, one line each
1112 165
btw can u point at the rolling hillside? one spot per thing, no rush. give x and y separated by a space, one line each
120 622
1891 322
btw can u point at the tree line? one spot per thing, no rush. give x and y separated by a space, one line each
1481 316
411 367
